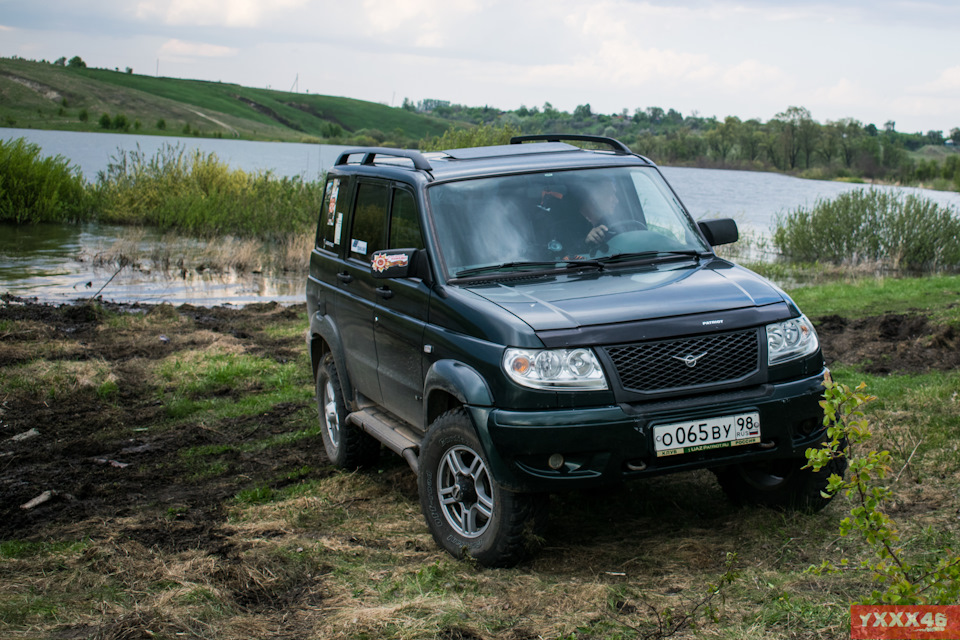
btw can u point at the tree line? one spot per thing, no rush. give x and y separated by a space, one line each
791 142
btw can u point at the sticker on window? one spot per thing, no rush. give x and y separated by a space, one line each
338 229
358 246
332 209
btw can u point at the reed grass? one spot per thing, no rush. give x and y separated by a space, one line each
198 194
902 232
39 189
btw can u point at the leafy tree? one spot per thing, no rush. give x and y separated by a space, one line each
61 61
955 135
582 112
723 137
76 62
673 117
849 132
83 116
750 139
105 121
934 137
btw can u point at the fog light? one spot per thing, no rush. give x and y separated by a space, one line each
555 461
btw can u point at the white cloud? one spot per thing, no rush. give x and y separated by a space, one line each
753 75
225 13
842 93
949 80
180 49
425 23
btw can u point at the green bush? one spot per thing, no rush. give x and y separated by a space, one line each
872 226
35 189
199 194
482 136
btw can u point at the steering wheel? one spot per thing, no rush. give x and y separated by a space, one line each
625 225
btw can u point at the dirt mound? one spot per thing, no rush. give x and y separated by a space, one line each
902 343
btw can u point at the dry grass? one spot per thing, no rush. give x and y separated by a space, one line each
174 254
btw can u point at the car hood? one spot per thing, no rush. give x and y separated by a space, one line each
625 295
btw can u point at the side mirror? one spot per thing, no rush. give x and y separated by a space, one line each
399 263
719 231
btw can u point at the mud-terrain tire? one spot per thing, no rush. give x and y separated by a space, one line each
780 484
346 445
467 511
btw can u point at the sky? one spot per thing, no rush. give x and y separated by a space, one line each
876 61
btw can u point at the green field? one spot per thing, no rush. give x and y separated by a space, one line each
44 96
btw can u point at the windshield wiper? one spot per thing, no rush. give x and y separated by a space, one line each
576 264
524 266
493 268
650 257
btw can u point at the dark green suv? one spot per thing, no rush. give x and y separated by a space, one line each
536 317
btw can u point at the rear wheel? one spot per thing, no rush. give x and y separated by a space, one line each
346 445
782 483
467 511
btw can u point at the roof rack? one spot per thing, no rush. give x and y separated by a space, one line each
370 154
617 146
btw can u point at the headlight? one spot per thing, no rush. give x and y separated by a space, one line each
555 369
791 339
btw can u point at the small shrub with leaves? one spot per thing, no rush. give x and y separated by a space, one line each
901 579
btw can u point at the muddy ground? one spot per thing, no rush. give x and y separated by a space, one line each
84 453
97 472
95 475
113 463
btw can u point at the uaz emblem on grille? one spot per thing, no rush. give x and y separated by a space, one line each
691 360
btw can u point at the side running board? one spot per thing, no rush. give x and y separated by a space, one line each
393 433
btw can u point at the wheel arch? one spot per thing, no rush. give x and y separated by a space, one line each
325 338
449 384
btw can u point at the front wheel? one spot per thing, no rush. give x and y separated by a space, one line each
782 483
467 511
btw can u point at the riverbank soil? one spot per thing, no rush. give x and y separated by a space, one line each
162 475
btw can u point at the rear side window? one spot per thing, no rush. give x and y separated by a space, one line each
404 222
369 221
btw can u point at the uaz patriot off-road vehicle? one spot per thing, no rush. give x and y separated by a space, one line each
535 317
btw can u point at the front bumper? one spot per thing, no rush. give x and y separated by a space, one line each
605 445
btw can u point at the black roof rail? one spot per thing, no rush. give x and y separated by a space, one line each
370 154
616 145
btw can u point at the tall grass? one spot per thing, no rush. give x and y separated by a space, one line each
39 189
894 230
197 193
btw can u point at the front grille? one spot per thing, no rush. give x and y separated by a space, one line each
646 367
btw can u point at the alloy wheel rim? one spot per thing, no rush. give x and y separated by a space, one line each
465 491
331 418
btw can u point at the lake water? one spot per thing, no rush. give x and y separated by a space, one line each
42 262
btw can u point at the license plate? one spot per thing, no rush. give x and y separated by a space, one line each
703 435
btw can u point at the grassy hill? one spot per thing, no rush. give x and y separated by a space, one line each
44 96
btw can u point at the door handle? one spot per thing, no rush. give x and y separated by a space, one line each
345 278
384 292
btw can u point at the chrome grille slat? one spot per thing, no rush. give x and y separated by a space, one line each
658 366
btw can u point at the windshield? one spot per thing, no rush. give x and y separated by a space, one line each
554 218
